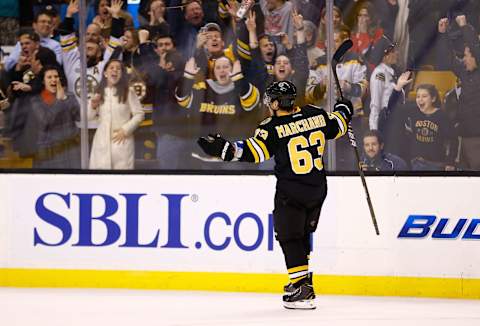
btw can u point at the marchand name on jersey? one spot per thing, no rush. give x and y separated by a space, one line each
299 126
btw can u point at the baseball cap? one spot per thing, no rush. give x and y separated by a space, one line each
212 27
376 52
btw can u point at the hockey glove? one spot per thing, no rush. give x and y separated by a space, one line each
345 107
215 145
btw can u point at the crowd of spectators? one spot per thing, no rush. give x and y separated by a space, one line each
159 78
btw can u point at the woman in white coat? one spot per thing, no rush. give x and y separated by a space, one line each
119 113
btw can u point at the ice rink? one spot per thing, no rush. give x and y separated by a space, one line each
69 307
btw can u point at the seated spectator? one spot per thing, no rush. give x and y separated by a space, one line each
375 159
366 32
463 58
104 16
42 25
42 126
119 113
428 139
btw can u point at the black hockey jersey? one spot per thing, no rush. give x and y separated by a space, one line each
297 143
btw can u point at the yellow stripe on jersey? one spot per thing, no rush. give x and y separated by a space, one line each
185 102
364 85
222 10
113 43
260 143
243 50
298 269
199 85
352 62
253 151
251 99
69 48
67 41
341 123
228 52
237 77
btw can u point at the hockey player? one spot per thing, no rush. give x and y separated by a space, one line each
296 138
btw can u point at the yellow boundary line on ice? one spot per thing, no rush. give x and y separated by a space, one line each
239 282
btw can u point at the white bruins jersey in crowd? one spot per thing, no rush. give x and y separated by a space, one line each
381 86
71 64
315 89
353 70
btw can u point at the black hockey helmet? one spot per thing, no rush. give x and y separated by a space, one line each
284 92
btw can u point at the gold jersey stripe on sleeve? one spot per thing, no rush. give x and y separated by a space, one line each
261 155
263 147
185 102
251 99
342 124
69 48
113 43
68 41
222 10
243 50
200 85
253 151
243 54
237 76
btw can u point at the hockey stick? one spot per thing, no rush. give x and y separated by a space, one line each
337 57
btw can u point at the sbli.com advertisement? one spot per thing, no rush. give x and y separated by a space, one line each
191 223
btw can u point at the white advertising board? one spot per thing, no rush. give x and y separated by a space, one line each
429 226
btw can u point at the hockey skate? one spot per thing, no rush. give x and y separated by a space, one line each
289 288
299 296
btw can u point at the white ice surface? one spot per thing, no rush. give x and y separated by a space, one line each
71 307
